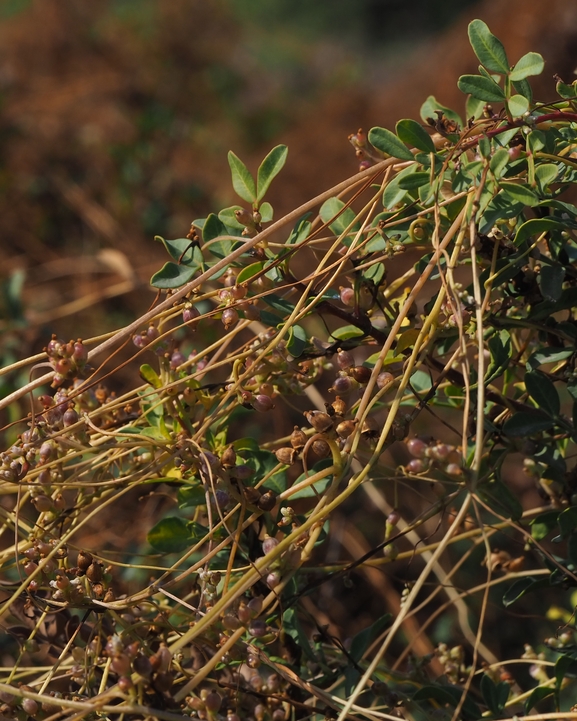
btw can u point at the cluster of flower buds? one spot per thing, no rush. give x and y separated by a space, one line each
67 359
424 454
352 376
127 656
146 337
453 661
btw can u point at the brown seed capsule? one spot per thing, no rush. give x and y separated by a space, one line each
339 406
346 428
321 448
267 501
252 495
94 572
320 421
298 438
228 458
361 374
84 560
286 455
344 360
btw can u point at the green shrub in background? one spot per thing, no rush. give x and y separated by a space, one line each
441 279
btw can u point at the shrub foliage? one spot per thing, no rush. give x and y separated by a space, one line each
283 382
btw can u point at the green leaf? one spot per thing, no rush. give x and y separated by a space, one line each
191 496
171 535
499 162
374 273
523 88
536 226
543 392
566 91
172 275
431 105
148 374
500 350
519 193
269 169
176 248
214 227
548 355
487 47
474 107
498 496
523 586
297 341
481 88
449 695
535 141
300 232
331 208
414 180
362 640
551 280
387 142
248 272
347 331
319 486
495 695
414 135
242 180
529 64
527 423
538 694
568 521
545 173
564 666
518 105
393 193
228 218
266 212
543 524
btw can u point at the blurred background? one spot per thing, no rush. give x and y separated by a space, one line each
116 117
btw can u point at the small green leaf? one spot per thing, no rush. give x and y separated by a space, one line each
500 349
522 87
363 639
566 91
414 135
536 226
529 64
518 105
317 487
242 180
191 496
543 392
524 585
387 142
248 272
414 180
266 212
431 105
543 524
393 193
171 535
551 280
148 374
269 168
300 232
481 88
297 341
495 695
214 227
564 666
520 193
228 218
527 423
487 47
499 162
180 249
474 107
331 208
538 694
347 331
545 174
172 275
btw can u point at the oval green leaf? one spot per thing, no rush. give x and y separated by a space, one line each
543 392
297 341
171 535
387 142
269 168
414 180
518 105
414 135
536 226
172 275
242 180
481 88
487 47
520 193
529 64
